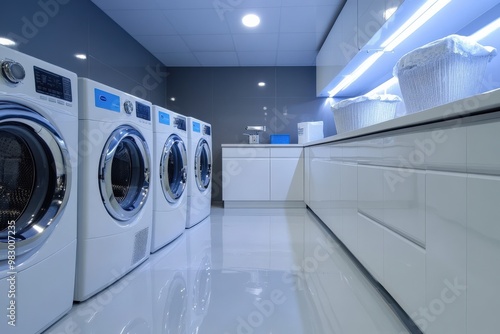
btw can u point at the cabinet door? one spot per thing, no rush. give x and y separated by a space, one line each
249 182
483 254
287 179
446 214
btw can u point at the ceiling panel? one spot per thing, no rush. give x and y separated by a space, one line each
262 58
129 19
210 33
217 58
256 42
209 42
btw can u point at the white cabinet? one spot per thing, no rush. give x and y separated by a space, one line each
263 174
446 216
252 181
246 174
483 254
287 174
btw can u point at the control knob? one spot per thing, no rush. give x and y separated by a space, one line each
128 106
13 71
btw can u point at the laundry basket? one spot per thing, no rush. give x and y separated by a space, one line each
443 71
362 111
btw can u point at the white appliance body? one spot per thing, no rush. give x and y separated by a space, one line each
200 171
115 207
169 176
38 191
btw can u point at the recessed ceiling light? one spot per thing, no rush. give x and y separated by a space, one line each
261 84
6 41
81 56
250 20
172 98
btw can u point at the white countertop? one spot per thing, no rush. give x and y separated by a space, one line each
262 145
482 103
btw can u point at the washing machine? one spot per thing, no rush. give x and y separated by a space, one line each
38 191
115 207
200 171
169 176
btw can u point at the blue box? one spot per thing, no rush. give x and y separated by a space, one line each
280 139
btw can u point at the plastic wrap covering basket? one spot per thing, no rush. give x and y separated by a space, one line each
362 111
442 71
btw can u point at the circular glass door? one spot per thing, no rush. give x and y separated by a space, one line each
203 165
35 174
173 166
124 173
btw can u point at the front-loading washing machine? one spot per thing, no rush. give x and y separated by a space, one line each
115 207
200 171
38 191
169 176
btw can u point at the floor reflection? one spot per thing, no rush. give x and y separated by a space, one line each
241 271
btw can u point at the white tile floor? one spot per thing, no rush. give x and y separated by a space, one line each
241 271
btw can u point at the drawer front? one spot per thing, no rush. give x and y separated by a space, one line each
483 149
404 203
245 152
287 152
371 247
404 272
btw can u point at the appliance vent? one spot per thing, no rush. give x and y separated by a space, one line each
140 245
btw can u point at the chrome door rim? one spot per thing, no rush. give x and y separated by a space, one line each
34 225
170 194
113 206
202 182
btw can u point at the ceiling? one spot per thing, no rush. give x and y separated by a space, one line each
209 32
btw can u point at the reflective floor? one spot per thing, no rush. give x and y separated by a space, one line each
248 271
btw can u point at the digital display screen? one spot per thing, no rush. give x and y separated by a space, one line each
180 123
206 130
142 111
52 84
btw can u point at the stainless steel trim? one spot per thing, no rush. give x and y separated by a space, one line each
33 229
112 205
202 181
172 142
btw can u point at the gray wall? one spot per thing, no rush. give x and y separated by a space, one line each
229 99
55 30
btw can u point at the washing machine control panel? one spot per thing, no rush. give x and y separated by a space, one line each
206 130
13 71
143 111
180 123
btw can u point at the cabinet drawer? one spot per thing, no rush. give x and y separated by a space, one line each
404 271
287 152
483 150
245 152
371 247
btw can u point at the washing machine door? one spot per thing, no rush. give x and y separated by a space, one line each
124 173
173 166
203 165
35 176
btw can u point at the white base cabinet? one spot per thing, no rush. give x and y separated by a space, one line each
420 209
260 176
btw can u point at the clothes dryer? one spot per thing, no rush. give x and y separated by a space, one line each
200 171
169 176
38 191
115 207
